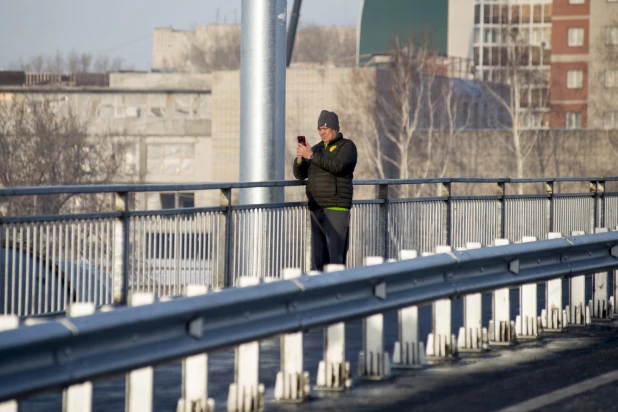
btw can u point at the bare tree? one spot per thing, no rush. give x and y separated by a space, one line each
40 146
72 63
409 115
325 45
523 97
218 50
217 47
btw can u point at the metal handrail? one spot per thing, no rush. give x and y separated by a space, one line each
130 188
72 350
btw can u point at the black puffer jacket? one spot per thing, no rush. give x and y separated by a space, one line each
330 173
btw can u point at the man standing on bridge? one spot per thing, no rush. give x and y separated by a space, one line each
329 168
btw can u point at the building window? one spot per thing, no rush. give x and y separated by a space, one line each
573 120
492 36
170 159
575 79
576 37
611 120
185 200
577 1
611 36
611 78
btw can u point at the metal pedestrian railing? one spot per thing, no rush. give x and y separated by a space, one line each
47 262
70 352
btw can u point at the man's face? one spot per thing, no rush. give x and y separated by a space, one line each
327 134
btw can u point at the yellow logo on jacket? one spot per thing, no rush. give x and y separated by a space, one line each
332 149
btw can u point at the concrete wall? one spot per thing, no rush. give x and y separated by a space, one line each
160 81
460 28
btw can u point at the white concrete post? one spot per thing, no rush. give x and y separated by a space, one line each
527 322
373 362
334 371
246 393
473 336
8 322
408 351
140 381
501 328
292 384
78 397
194 396
553 317
600 309
441 344
577 311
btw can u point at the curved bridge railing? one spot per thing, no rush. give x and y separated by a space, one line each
49 262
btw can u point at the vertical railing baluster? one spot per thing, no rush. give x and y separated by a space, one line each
501 192
120 269
4 242
28 274
20 271
307 241
549 190
383 221
598 188
224 277
48 262
176 248
90 264
447 235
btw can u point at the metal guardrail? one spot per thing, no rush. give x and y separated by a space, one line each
67 351
101 257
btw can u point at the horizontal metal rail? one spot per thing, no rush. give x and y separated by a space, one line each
59 353
131 188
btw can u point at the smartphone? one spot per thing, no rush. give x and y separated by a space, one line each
301 140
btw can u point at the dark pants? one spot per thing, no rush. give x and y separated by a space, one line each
329 237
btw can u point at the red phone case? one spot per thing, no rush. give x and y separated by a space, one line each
301 140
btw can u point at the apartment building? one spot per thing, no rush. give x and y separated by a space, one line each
585 64
571 45
164 118
512 45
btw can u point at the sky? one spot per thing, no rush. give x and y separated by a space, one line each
123 28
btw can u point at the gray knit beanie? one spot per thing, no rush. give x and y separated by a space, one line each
328 119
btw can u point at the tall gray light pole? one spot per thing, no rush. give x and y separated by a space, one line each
262 97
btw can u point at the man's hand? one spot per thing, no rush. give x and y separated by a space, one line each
303 151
